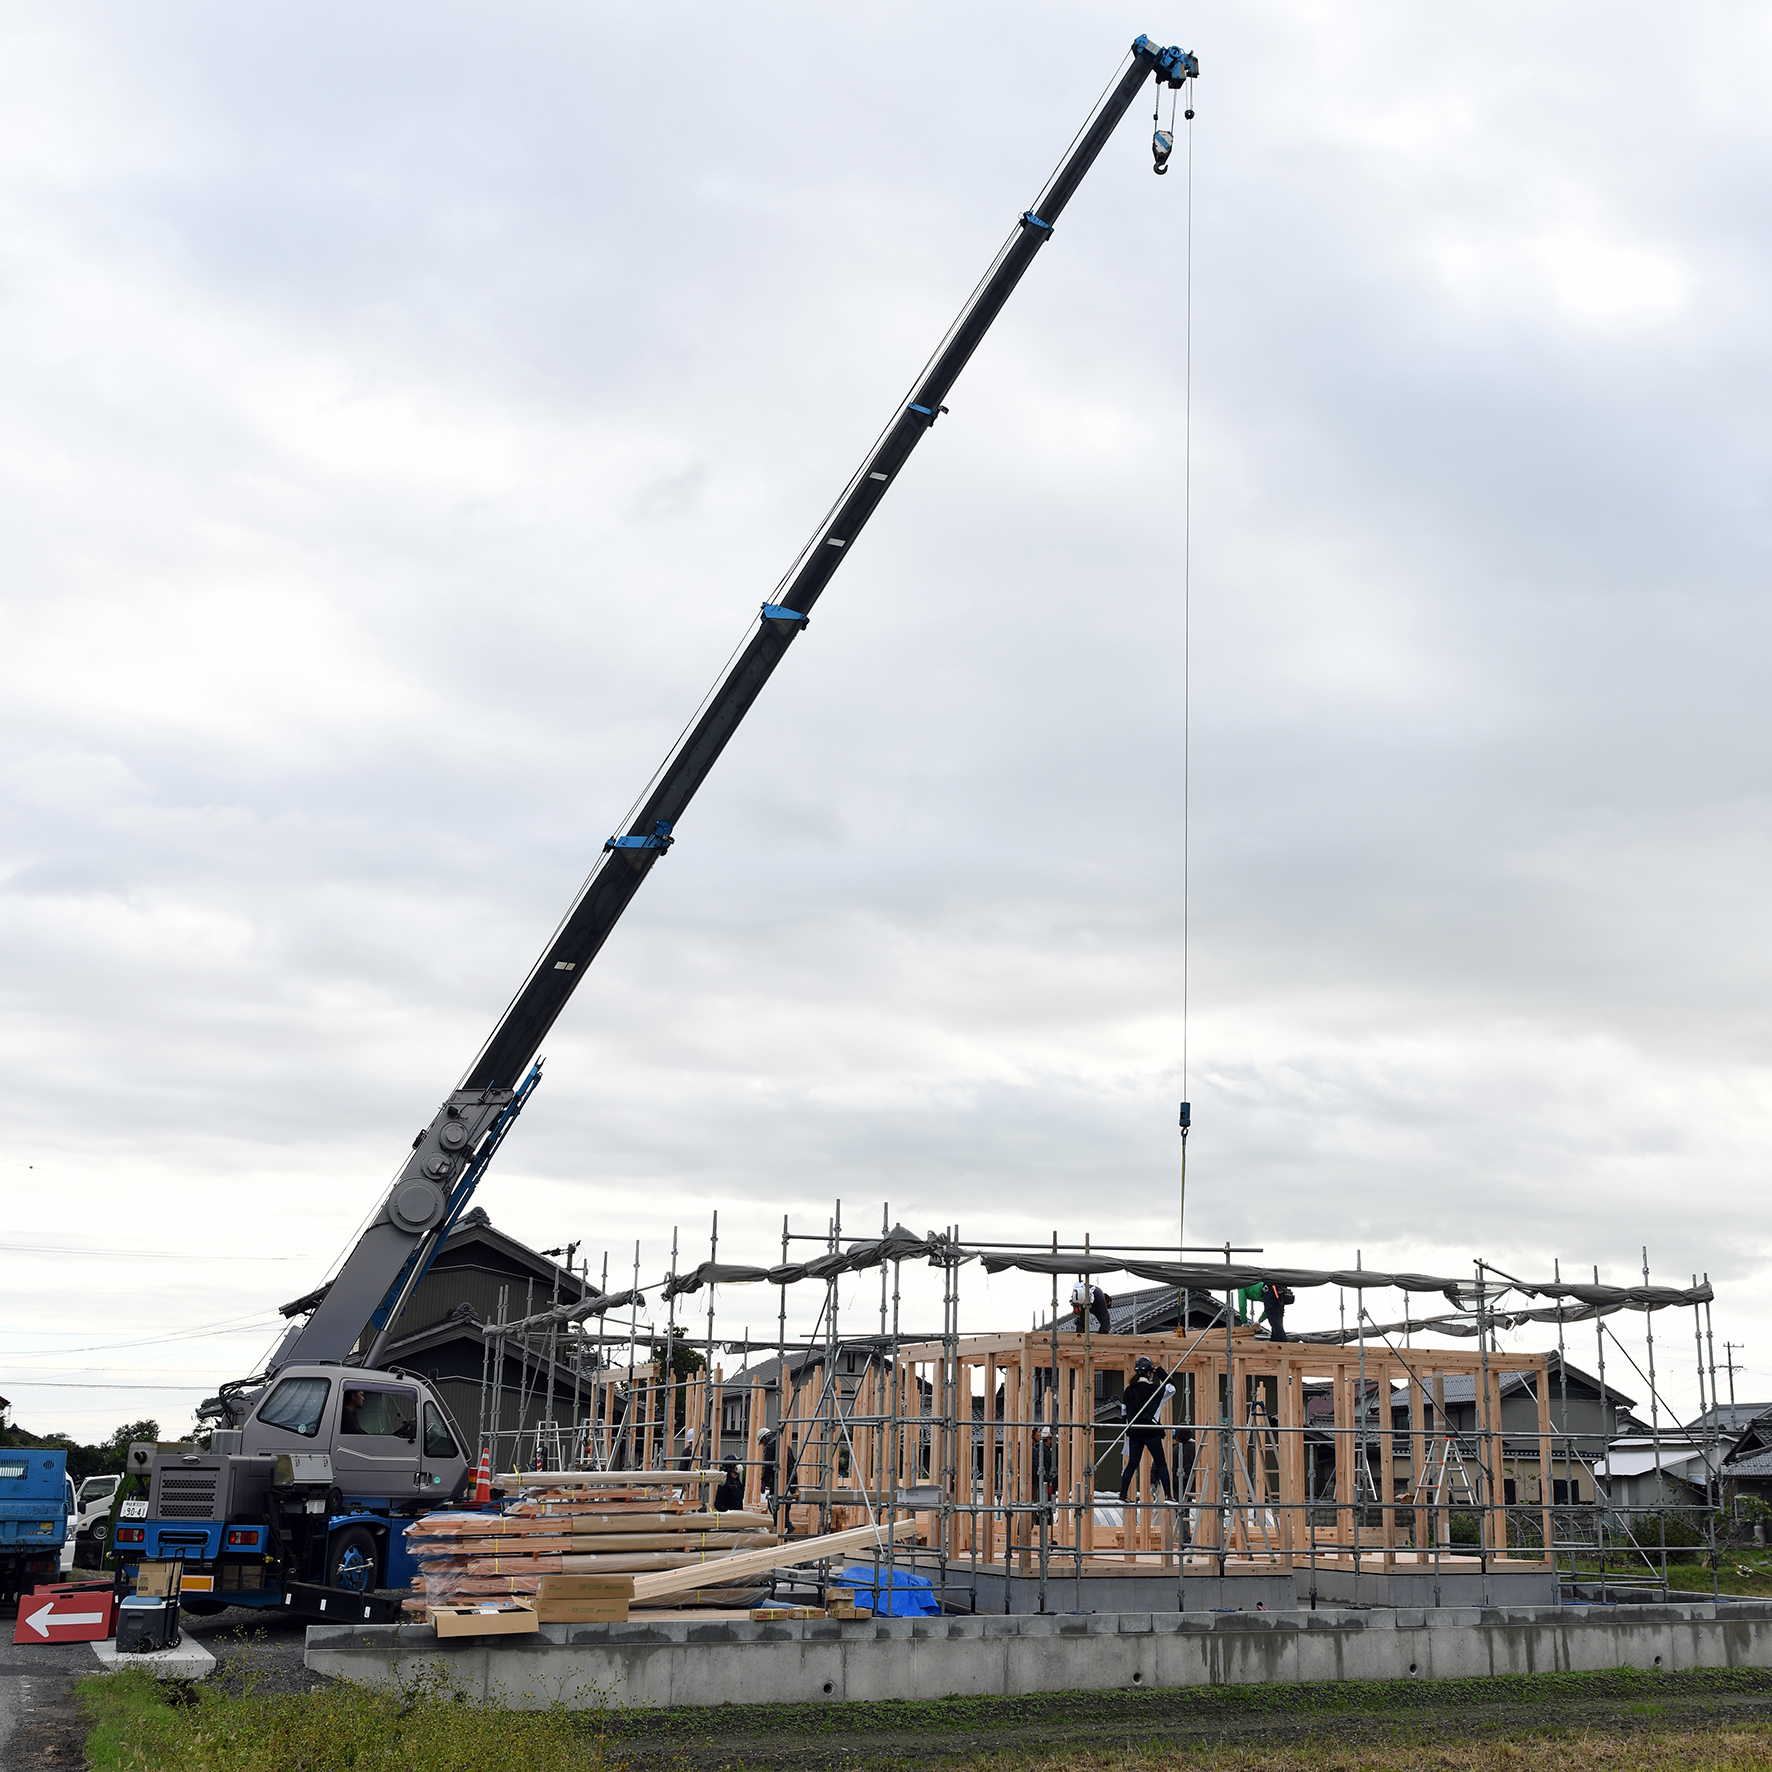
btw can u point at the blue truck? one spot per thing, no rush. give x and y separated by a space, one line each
33 1516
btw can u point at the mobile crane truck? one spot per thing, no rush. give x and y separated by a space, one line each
315 1464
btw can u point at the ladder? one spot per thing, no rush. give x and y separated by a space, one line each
1445 1481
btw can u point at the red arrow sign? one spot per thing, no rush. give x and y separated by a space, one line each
63 1618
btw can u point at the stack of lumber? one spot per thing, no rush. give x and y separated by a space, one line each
578 1523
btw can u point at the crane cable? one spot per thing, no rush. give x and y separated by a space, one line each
1187 518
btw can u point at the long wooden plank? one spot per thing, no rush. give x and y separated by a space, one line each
600 1479
760 1562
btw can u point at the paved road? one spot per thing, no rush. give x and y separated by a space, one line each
40 1724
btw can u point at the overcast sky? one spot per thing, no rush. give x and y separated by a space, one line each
404 409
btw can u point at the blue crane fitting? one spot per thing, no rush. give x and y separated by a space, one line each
659 838
1174 67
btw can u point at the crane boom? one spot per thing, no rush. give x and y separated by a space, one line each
447 1158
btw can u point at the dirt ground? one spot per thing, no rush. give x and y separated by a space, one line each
811 1739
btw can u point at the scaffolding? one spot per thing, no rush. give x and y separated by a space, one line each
1357 1450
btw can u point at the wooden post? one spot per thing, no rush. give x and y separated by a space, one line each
988 1535
1497 1464
1293 1529
1346 1449
1541 1383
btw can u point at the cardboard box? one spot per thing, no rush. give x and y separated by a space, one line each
607 1588
581 1611
159 1581
498 1618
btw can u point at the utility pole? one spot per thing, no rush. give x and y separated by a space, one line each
1730 1350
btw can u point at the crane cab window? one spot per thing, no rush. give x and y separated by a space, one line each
385 1414
296 1406
439 1442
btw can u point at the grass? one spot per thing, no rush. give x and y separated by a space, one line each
1704 1721
140 1724
1743 1572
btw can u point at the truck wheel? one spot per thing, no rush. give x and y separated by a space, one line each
99 1532
351 1561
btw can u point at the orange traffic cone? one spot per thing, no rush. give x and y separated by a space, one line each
483 1480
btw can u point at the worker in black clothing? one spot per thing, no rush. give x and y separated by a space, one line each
1274 1300
766 1460
1088 1299
1045 1472
1140 1403
730 1494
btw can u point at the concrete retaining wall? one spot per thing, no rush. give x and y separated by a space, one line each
1142 1593
683 1662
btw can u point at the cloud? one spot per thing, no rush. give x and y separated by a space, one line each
404 413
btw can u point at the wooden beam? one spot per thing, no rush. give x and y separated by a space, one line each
761 1562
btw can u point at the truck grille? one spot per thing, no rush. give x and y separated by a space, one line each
188 1495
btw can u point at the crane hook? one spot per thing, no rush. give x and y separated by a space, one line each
1162 146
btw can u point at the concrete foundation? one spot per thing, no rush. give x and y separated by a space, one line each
683 1662
1461 1585
189 1661
1149 1591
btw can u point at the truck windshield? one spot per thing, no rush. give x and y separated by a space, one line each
439 1442
296 1406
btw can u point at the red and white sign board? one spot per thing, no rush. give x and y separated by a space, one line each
63 1618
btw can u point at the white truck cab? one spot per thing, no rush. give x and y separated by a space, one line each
388 1436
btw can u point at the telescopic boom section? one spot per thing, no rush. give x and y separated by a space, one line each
436 1179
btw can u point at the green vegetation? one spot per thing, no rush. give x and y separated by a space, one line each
86 1461
140 1724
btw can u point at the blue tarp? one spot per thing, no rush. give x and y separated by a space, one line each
890 1593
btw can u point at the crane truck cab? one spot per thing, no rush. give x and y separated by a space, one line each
315 1486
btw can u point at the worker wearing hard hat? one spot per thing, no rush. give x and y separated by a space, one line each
1140 1403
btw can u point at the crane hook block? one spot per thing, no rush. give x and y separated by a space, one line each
1162 146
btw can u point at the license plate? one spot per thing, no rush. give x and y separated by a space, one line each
197 1584
136 1508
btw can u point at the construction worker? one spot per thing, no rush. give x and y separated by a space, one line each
1045 1472
1140 1404
1088 1299
1274 1300
766 1461
730 1494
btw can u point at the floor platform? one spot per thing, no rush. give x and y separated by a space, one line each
1459 1581
1108 1585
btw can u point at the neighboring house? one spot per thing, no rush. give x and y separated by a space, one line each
438 1337
1730 1418
806 1384
1674 1469
1150 1310
1747 1467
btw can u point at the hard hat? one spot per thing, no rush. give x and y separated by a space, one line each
1143 1364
